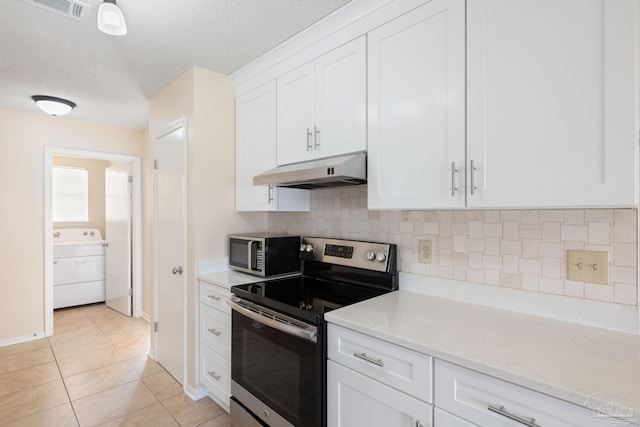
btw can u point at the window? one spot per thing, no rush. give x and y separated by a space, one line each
70 194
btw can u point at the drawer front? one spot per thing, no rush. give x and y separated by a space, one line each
468 394
215 330
215 373
215 296
399 367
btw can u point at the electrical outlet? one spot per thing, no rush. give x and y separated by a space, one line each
425 253
588 266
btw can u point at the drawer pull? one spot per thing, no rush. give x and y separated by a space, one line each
213 375
419 424
530 422
364 356
214 297
214 332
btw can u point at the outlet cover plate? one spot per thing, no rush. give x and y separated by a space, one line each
425 251
588 266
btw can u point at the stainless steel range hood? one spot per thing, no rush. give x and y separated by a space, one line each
339 171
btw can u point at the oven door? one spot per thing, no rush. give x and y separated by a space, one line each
276 366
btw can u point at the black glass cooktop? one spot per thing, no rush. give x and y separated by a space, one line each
303 297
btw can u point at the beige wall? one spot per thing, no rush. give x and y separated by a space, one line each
23 137
519 249
207 100
95 169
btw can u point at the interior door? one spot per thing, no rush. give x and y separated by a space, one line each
170 236
118 236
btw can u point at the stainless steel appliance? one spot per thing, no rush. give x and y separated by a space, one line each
278 350
338 171
264 254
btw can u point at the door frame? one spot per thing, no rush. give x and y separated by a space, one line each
165 130
136 224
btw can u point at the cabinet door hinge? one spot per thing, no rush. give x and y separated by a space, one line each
130 179
129 292
155 326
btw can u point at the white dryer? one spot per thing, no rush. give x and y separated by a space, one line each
79 275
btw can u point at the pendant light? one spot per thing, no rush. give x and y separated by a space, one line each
110 19
52 105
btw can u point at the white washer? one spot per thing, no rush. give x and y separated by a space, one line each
78 267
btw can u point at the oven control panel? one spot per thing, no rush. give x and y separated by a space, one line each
367 255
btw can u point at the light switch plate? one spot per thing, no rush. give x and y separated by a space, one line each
425 252
588 266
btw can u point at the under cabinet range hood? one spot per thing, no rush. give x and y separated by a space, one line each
338 171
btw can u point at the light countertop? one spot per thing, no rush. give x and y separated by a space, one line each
561 359
229 278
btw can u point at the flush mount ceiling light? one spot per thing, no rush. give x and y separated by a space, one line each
52 105
110 19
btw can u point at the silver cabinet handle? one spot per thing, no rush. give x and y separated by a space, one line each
472 168
453 179
316 132
214 297
419 424
214 332
364 356
500 410
213 375
309 139
177 270
105 244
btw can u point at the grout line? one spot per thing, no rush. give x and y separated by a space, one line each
64 384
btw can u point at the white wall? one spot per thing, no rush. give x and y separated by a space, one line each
23 137
207 100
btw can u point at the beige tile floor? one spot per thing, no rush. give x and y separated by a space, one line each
94 371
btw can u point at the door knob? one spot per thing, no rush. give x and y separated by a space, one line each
177 270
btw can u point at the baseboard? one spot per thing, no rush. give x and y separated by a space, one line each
196 393
152 354
146 317
18 340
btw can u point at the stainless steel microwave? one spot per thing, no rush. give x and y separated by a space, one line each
264 254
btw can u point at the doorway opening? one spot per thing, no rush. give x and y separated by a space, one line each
117 216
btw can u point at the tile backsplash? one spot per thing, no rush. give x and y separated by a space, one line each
522 249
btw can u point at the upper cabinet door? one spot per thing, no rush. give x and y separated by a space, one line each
416 106
256 153
341 100
322 106
552 103
296 115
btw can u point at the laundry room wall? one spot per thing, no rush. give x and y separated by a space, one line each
23 137
95 170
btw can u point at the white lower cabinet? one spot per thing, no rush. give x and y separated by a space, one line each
355 400
371 382
445 419
215 342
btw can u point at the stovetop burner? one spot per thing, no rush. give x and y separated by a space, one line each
336 273
303 297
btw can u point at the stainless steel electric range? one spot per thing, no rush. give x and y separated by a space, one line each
278 350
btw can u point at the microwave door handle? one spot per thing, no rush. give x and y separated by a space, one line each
250 262
309 333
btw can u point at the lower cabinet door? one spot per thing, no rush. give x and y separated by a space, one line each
445 419
355 400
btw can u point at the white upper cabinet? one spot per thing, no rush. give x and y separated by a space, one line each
552 103
256 153
322 106
416 108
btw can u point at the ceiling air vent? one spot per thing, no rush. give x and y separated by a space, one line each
70 8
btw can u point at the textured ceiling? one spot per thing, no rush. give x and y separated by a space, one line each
111 78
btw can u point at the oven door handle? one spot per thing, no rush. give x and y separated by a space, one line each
308 333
